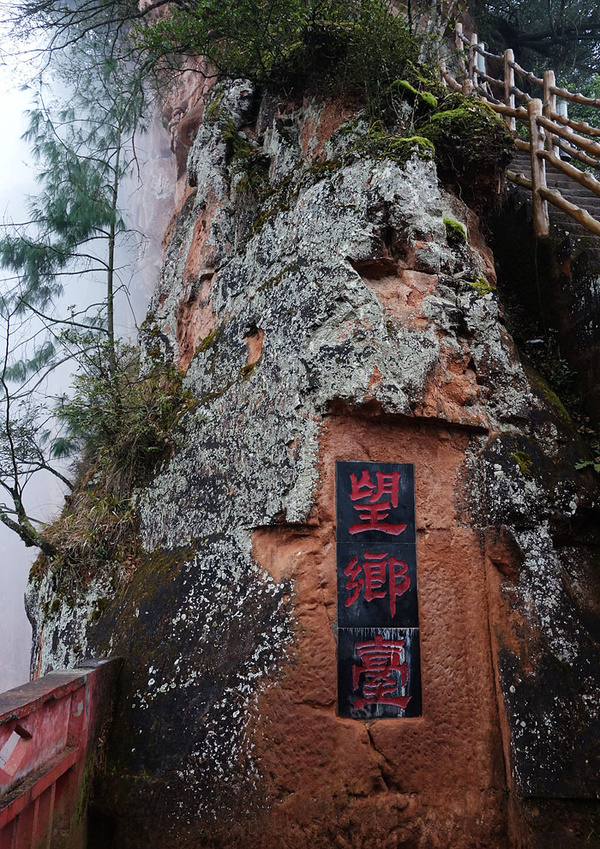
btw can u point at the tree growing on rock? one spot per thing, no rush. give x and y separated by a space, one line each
83 144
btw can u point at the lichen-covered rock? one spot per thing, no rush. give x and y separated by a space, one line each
321 313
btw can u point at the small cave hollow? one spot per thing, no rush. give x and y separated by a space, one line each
254 337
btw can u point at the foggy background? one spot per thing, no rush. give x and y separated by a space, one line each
147 200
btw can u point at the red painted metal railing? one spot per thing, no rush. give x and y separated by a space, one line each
48 740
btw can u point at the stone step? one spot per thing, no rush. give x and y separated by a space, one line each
584 202
568 224
569 189
581 199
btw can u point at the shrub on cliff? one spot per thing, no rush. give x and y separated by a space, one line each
358 45
121 421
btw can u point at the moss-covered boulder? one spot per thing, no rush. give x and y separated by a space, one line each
473 147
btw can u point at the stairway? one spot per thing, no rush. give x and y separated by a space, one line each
569 189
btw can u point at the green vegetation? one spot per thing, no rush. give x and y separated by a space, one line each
378 144
83 146
524 462
546 391
456 234
428 99
249 166
481 286
122 425
352 46
563 36
585 464
211 338
473 145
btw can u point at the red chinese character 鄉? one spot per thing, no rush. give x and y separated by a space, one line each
378 574
384 671
374 511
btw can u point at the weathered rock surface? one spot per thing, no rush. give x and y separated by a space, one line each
321 314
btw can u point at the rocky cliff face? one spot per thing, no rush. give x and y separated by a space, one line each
325 306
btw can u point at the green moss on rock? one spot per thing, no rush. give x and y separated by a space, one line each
481 286
211 338
456 234
380 145
426 97
473 145
524 462
550 395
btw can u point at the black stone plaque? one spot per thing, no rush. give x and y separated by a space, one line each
375 502
377 585
379 673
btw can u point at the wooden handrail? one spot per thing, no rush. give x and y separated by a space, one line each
589 147
584 178
549 130
565 94
575 212
517 112
578 126
519 179
492 80
579 155
528 75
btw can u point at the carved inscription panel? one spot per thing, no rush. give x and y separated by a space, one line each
378 619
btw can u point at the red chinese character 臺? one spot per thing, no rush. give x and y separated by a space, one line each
371 575
374 512
384 671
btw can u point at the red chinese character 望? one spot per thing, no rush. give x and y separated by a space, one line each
378 575
384 672
377 499
387 484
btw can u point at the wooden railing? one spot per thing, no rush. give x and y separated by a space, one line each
549 134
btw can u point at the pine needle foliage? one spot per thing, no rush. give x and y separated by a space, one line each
83 145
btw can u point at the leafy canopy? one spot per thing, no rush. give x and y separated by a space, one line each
360 46
563 35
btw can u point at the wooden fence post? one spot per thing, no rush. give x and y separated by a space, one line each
460 47
458 36
549 106
541 222
473 60
509 84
